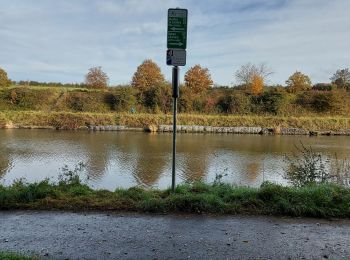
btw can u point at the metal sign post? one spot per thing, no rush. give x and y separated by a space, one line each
176 56
175 83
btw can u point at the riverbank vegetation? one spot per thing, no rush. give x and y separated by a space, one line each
147 100
76 120
324 200
274 101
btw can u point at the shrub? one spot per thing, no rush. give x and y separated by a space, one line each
185 100
87 101
324 102
30 99
306 168
298 82
318 101
121 99
324 86
272 101
237 102
158 98
4 80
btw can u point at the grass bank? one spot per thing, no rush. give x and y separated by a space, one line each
71 120
321 201
15 256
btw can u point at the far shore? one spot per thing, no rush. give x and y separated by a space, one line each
196 129
187 123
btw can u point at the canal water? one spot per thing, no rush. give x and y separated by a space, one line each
125 159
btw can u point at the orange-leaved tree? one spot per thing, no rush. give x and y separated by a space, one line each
298 82
256 85
147 75
198 79
96 78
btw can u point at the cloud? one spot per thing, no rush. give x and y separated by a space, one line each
59 40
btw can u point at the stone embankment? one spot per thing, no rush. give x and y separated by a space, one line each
211 129
196 129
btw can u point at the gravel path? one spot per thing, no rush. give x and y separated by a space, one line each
62 235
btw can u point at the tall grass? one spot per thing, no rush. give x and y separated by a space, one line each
326 200
70 120
308 167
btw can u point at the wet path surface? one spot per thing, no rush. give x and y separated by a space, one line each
60 235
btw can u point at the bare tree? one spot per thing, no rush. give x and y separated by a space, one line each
247 72
341 78
96 78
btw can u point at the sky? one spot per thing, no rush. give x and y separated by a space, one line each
58 41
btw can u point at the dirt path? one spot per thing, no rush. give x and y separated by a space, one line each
62 235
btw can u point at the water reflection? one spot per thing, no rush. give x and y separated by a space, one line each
5 165
5 161
124 159
194 153
151 158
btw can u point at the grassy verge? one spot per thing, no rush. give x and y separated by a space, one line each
313 201
14 256
70 120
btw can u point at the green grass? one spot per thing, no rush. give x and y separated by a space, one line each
323 201
15 256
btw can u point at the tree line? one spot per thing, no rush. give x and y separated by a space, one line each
150 92
250 77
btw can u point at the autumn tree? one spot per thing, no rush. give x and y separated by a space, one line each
147 75
256 86
298 82
341 78
96 78
198 79
4 80
249 71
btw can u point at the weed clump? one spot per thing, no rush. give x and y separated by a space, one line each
307 168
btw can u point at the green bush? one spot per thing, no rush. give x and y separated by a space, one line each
326 102
306 168
23 98
157 98
86 101
322 101
121 99
273 101
236 102
324 86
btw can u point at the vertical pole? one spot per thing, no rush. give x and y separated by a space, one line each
175 96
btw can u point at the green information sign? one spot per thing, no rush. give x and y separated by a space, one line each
177 29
